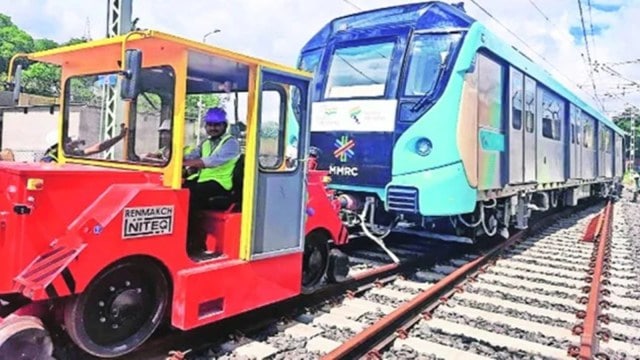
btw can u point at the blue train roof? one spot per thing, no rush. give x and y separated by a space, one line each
425 15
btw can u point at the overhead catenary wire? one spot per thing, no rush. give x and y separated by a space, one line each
593 38
590 67
586 44
352 4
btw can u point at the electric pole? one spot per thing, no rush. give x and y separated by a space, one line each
632 143
118 23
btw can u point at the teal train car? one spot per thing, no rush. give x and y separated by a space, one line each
427 121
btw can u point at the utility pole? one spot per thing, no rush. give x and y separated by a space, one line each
118 23
200 103
632 143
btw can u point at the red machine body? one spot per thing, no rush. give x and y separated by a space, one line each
68 225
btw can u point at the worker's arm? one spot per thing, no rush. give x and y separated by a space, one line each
96 148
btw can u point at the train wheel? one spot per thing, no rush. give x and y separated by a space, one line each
119 310
24 337
315 261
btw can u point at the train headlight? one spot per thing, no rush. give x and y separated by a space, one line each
423 146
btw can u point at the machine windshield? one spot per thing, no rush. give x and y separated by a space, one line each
359 71
429 56
95 126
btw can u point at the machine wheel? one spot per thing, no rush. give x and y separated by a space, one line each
119 310
24 337
338 266
315 261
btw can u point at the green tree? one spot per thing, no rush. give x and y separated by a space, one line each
41 79
37 78
12 41
44 44
625 120
208 101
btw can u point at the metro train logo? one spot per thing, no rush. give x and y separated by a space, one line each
344 146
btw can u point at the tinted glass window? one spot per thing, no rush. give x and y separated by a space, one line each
359 71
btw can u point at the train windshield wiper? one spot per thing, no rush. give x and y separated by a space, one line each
429 97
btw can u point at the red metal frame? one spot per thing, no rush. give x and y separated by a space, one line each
73 229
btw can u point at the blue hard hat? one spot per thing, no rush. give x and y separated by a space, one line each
215 115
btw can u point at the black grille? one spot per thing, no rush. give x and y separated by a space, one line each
402 199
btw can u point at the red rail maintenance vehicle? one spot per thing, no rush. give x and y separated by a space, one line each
99 244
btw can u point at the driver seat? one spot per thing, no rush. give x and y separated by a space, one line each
233 200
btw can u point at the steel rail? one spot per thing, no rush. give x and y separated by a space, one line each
380 332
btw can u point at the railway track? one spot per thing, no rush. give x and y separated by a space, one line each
528 298
367 264
549 296
385 318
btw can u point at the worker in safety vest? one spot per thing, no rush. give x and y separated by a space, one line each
162 154
213 160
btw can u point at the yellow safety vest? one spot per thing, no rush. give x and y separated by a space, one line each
222 173
52 153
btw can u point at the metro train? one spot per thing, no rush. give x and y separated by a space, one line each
428 123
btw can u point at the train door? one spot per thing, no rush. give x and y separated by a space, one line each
516 133
280 189
601 148
529 130
574 114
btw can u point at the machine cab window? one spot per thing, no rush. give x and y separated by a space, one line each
99 128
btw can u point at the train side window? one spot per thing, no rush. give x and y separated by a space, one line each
587 129
490 92
552 115
517 85
529 105
271 130
573 134
576 119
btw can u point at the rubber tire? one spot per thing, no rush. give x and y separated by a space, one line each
75 325
316 238
338 270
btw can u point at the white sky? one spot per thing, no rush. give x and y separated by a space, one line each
277 29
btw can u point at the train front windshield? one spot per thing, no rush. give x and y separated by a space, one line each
359 71
367 70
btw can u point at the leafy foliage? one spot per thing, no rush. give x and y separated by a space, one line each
625 120
208 101
37 78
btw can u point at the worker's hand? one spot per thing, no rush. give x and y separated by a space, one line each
188 171
123 131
